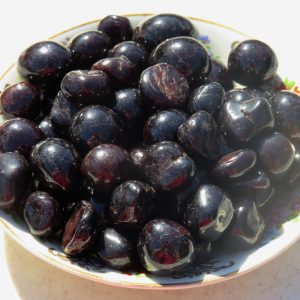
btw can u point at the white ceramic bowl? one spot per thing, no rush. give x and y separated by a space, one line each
218 39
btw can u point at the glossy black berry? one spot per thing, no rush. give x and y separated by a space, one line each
47 128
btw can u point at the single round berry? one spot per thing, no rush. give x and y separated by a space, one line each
47 128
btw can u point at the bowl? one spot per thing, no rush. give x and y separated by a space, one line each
218 39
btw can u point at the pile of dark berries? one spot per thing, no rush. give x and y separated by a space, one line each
132 143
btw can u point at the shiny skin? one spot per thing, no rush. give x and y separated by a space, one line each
56 164
158 28
95 125
86 87
132 203
62 112
276 153
258 93
47 128
286 108
199 136
118 28
239 95
122 72
138 155
243 121
81 229
19 135
165 247
185 54
294 171
115 249
43 214
209 213
15 176
44 63
88 47
135 52
162 86
235 164
106 166
167 167
163 126
252 62
219 73
208 97
21 100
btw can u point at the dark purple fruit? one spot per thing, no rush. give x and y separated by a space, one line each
56 164
276 153
15 177
21 100
242 121
44 63
198 135
115 249
167 167
132 203
129 106
286 109
185 54
62 113
158 28
47 128
258 93
208 97
209 213
121 70
163 126
235 164
138 156
19 135
165 247
135 52
239 95
88 47
252 62
86 87
106 166
219 73
294 171
118 28
43 214
81 229
95 125
162 86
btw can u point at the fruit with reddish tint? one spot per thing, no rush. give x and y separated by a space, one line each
235 164
15 177
209 213
162 86
132 203
118 28
106 166
115 249
208 97
43 214
276 153
252 62
44 63
167 167
81 229
187 55
95 125
62 112
47 128
19 135
286 108
165 247
219 73
135 52
243 121
56 164
122 72
86 87
239 95
163 126
158 28
21 100
88 47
